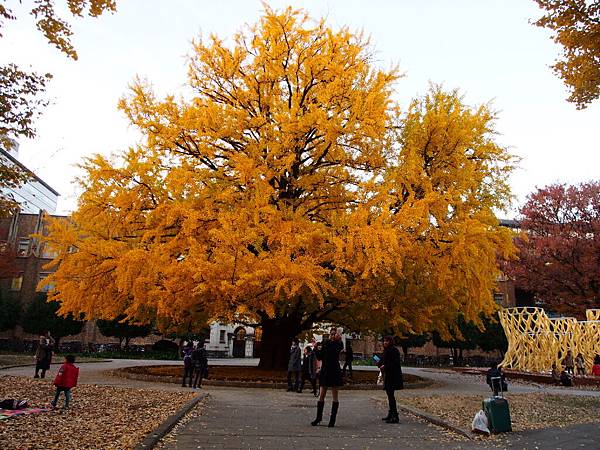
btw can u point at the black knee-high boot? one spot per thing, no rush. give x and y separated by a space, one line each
334 411
320 406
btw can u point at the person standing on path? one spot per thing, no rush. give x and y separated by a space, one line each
580 363
309 369
188 368
294 366
348 360
199 364
330 377
392 377
43 355
568 363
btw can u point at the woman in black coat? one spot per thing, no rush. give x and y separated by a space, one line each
392 377
330 376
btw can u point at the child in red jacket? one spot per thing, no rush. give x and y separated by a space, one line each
65 380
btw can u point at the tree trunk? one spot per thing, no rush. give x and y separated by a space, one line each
277 335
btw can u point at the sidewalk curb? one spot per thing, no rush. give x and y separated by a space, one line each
164 428
436 421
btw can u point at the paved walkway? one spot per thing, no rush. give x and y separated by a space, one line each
269 419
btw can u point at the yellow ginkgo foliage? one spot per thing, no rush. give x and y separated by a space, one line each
286 188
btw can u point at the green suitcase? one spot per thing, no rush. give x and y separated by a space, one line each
498 414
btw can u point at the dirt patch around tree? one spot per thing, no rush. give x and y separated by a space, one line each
245 374
527 411
104 417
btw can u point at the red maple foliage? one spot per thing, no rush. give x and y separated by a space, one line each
560 247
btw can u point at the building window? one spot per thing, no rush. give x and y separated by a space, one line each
222 336
45 287
498 297
49 253
23 247
16 283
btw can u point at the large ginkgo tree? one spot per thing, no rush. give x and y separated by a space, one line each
284 188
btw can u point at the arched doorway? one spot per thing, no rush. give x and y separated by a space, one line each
239 342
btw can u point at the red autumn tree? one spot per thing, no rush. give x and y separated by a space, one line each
560 248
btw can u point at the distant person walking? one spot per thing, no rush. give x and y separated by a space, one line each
43 355
568 363
200 365
188 367
580 364
66 379
348 360
294 366
309 369
330 376
392 377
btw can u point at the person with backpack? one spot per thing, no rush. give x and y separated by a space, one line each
188 368
66 379
200 365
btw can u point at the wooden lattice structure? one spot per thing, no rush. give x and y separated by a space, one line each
536 341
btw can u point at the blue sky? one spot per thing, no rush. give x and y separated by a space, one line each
486 48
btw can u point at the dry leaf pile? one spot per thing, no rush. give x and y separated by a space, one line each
100 417
527 411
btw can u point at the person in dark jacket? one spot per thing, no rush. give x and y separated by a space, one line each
66 379
309 369
392 377
294 367
43 355
348 360
200 365
495 379
188 368
330 376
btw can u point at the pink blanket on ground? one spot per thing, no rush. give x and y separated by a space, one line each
8 413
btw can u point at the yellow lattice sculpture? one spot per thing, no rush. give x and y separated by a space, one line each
535 341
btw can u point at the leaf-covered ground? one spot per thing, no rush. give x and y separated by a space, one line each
527 411
100 417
